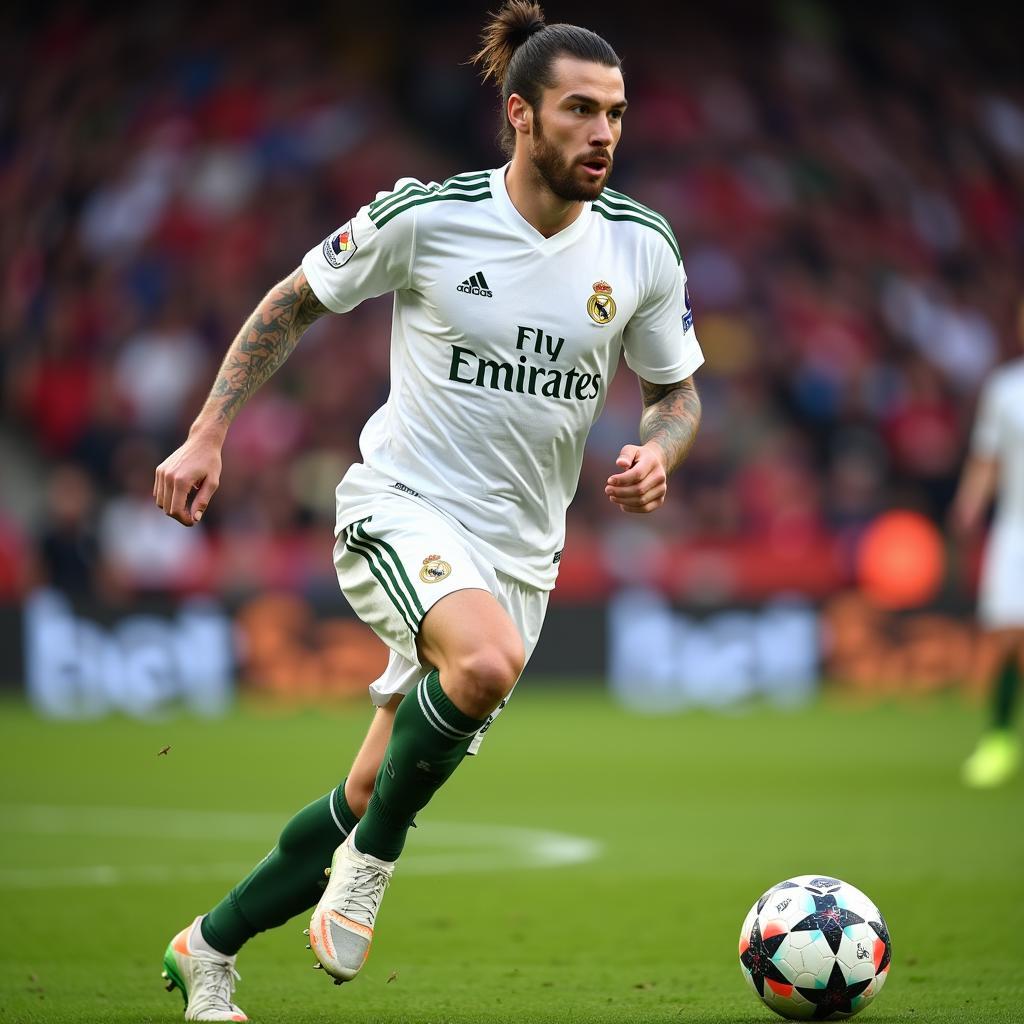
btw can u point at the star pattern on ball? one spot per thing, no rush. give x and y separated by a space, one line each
830 919
757 958
883 933
836 996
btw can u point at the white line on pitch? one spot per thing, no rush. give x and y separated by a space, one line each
95 875
439 848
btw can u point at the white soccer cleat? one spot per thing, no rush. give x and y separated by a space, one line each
341 929
207 980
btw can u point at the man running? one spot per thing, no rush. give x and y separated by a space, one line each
995 470
515 290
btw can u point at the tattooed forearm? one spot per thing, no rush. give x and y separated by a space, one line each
261 346
670 418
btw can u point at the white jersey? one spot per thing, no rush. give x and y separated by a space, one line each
999 434
503 346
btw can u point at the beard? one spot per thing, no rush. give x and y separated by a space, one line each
559 173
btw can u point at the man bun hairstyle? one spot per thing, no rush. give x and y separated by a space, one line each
518 51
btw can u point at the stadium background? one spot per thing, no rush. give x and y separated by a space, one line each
847 192
846 183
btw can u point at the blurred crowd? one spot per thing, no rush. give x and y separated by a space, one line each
848 193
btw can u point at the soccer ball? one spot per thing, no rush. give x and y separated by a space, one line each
815 948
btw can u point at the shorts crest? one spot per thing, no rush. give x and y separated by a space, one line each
434 569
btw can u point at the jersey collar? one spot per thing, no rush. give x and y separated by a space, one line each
524 228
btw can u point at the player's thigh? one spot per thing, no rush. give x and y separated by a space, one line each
418 583
363 773
527 607
472 639
394 566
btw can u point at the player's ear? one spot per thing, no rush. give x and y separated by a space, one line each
520 114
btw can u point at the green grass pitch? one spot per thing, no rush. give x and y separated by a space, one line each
107 849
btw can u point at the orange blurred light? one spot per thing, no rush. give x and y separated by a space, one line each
901 560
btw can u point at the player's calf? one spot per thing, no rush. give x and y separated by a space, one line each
429 740
358 792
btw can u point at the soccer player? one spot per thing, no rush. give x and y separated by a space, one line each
996 463
515 291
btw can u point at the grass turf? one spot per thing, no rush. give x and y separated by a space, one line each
696 814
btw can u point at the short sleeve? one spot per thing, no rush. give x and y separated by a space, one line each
659 341
369 255
986 434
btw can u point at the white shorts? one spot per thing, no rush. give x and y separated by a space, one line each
1001 593
395 565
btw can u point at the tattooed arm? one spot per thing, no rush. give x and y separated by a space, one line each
185 481
261 346
667 428
670 418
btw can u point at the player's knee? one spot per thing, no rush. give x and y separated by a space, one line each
483 677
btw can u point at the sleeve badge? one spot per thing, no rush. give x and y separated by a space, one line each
340 247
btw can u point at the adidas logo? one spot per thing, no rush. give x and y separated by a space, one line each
476 285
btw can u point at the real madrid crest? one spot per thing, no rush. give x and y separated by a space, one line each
601 305
434 569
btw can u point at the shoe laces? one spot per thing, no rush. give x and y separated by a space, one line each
219 977
363 894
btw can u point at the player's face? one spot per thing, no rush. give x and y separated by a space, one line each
577 127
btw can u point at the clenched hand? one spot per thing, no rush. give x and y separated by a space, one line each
186 480
643 484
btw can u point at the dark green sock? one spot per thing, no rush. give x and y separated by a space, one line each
1005 696
288 880
428 740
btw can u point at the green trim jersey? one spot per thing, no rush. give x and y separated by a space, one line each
503 345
